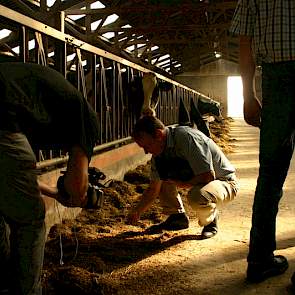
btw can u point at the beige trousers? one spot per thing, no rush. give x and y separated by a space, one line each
205 200
170 199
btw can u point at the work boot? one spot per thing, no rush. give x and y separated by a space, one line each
260 271
211 229
176 221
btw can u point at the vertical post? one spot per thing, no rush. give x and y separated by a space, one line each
24 45
94 79
114 105
60 61
88 23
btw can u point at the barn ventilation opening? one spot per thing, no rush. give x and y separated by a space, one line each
235 97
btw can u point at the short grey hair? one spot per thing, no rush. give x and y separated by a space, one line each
147 124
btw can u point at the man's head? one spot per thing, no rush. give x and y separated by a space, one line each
150 134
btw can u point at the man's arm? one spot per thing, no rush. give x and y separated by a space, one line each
252 106
75 181
48 190
76 176
147 199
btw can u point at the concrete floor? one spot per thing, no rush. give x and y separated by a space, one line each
245 159
187 265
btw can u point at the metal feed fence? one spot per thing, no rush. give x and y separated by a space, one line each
102 77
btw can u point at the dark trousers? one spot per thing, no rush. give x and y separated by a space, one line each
276 149
22 213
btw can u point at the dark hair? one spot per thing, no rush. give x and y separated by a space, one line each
147 124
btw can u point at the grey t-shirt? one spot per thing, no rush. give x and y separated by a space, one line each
201 153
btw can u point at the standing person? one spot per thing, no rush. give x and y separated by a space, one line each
267 38
183 157
38 109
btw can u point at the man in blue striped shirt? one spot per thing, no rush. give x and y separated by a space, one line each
183 157
266 30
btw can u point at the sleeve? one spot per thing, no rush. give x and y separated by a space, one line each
244 18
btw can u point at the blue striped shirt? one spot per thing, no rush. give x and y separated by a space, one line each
201 152
271 23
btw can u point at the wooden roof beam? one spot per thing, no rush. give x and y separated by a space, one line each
155 28
124 9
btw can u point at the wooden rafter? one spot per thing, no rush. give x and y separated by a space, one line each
177 29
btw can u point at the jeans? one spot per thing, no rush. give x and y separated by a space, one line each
275 153
22 210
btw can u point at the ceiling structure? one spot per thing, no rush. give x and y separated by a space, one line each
170 36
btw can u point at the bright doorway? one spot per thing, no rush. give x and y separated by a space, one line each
234 97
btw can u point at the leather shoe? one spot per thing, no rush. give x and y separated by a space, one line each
210 230
260 271
176 221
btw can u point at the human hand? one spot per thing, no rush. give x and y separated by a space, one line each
252 111
76 186
71 192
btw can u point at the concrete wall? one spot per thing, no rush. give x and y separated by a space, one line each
114 164
211 80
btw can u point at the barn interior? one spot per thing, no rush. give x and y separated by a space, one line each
174 36
187 41
100 46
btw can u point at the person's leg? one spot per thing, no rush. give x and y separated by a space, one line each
170 199
275 153
4 254
205 199
27 252
24 211
172 205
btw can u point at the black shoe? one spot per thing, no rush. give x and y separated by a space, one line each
210 230
176 221
258 272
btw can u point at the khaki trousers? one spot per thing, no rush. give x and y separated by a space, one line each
205 200
170 199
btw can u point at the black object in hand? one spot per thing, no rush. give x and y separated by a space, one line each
95 195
